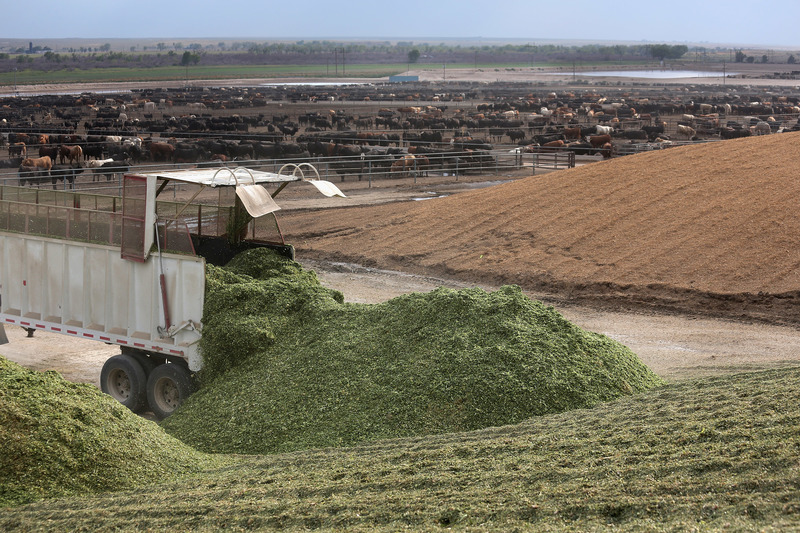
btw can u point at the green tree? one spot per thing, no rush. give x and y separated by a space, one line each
413 55
189 58
106 47
791 59
665 51
764 59
740 56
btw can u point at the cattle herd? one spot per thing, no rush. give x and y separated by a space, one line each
383 130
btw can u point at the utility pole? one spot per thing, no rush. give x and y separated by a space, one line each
336 59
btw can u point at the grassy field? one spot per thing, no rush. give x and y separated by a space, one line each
717 454
221 72
32 77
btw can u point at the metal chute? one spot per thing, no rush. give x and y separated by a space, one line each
256 200
327 188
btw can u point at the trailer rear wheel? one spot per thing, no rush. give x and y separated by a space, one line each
148 364
168 386
123 378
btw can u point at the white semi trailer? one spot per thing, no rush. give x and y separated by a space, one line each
130 271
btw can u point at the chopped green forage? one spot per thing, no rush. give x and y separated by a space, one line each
289 366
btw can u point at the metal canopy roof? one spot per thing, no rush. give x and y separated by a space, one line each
223 176
256 200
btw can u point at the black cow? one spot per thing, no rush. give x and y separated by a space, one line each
64 173
32 175
189 153
96 150
653 131
515 134
113 167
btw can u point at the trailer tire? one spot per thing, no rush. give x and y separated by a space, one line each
123 378
148 365
168 386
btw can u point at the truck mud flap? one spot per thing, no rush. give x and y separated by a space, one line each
3 337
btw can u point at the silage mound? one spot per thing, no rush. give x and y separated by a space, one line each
289 366
59 438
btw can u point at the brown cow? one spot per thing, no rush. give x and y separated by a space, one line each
40 163
572 133
554 144
35 171
405 165
73 153
597 141
50 151
161 151
423 164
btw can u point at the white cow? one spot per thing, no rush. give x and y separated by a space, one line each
97 163
132 141
761 128
604 130
686 130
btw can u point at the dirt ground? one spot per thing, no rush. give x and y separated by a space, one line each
372 246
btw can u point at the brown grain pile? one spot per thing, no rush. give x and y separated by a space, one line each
711 228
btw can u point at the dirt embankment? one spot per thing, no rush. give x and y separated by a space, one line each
709 229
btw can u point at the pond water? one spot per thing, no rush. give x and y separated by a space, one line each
656 74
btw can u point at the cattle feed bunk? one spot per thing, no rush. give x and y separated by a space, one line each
130 270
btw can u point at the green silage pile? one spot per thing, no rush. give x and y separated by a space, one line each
289 366
59 438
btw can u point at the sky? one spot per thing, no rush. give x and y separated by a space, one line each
745 22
